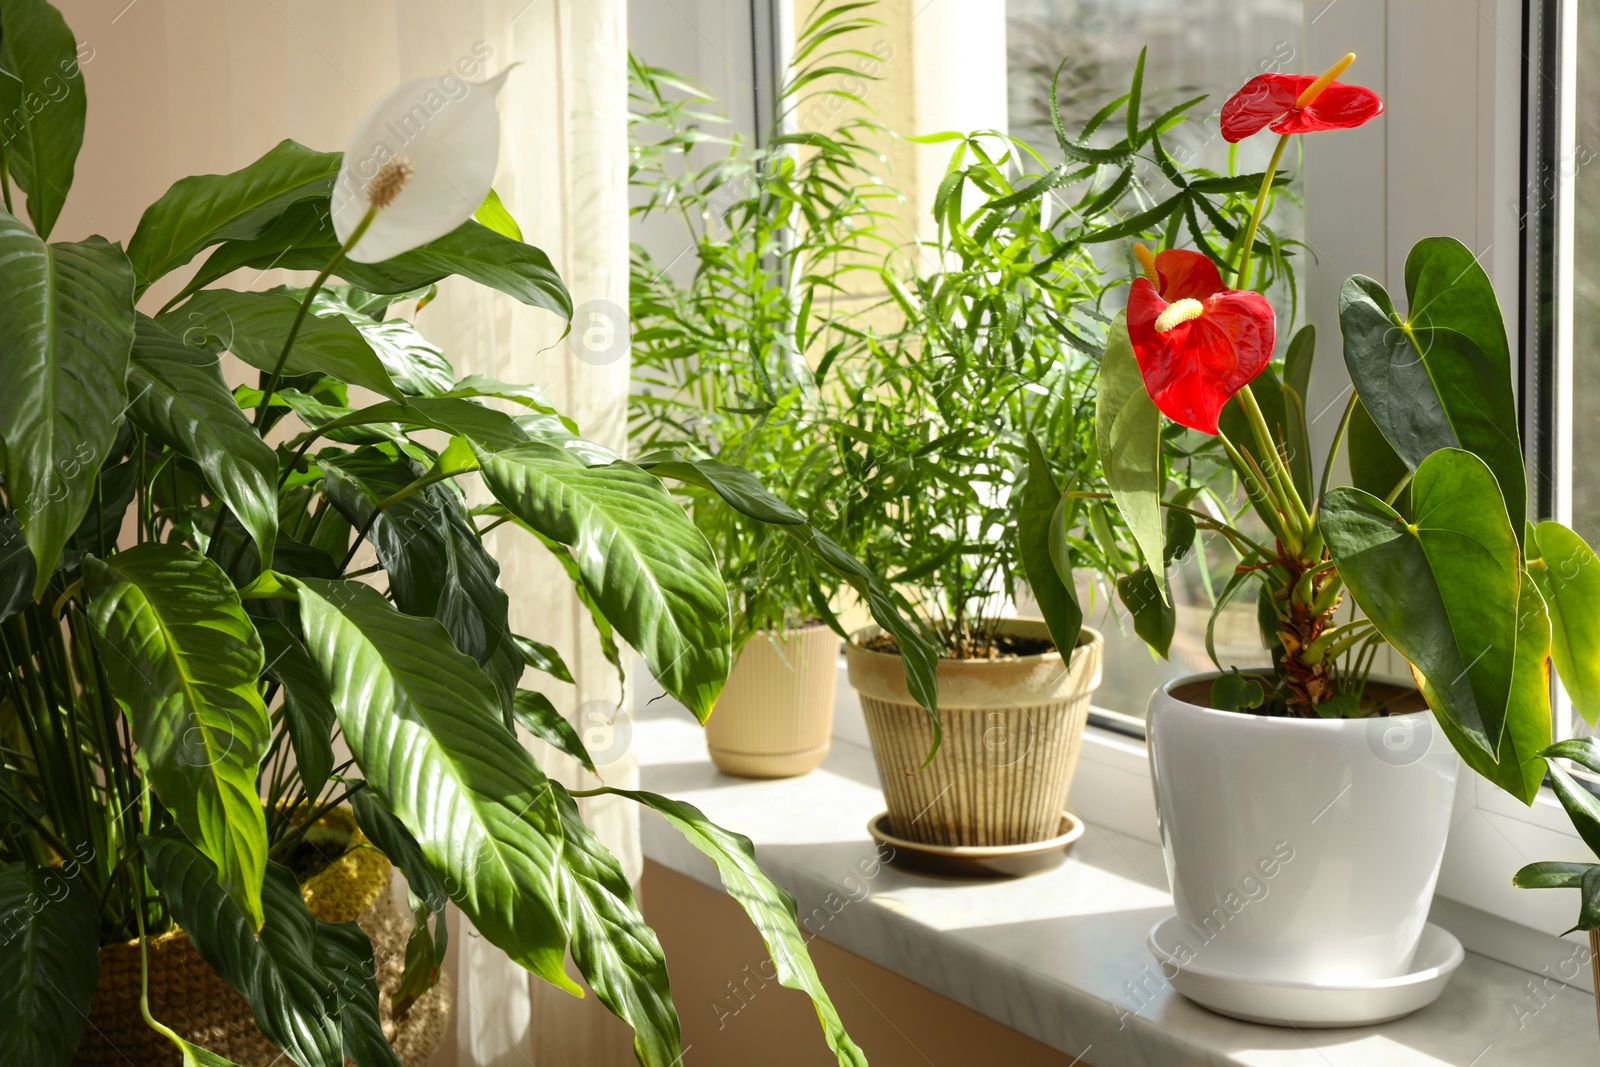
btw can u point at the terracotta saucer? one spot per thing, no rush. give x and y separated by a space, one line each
977 861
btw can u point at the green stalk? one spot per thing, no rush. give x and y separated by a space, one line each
1242 281
1276 469
1333 449
300 316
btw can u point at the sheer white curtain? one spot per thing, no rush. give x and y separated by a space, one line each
186 86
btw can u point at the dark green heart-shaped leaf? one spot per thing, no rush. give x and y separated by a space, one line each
1518 766
423 723
1058 602
1568 574
612 945
49 962
204 209
1127 431
1441 376
43 126
648 568
179 398
183 659
771 910
66 325
254 326
1443 589
293 1001
1374 465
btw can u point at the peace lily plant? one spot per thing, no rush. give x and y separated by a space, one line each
185 646
1431 539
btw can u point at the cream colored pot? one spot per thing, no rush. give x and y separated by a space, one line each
775 716
1012 731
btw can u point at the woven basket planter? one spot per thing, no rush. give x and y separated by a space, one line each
774 718
1012 731
187 995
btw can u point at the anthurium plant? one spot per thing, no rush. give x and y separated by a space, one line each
184 645
1431 540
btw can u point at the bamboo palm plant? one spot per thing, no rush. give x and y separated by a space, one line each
181 628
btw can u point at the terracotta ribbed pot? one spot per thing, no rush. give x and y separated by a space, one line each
1012 731
774 718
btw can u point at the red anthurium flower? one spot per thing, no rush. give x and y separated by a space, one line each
1298 103
1197 343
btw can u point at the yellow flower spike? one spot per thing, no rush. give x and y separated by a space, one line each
1147 259
1314 90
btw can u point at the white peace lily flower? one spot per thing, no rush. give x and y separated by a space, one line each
418 165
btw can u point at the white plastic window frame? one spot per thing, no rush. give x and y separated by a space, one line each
1445 159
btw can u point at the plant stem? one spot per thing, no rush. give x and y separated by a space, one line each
1333 449
305 308
1276 469
1242 281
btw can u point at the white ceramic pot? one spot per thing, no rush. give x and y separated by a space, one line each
1300 850
774 718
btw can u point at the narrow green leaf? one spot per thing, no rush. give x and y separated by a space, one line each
1443 589
1058 601
307 704
180 399
1582 807
205 209
424 726
1551 874
771 910
1155 620
493 214
294 1003
1568 574
541 719
45 131
387 832
66 326
612 945
543 657
1127 430
49 962
344 954
183 659
646 565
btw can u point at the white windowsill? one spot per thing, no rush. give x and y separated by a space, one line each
1061 956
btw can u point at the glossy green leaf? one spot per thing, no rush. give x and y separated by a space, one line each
417 366
387 832
1285 421
179 398
543 657
423 723
1441 376
44 128
1443 590
1568 574
1582 807
1233 691
1155 620
771 910
294 1003
66 326
307 704
1127 430
205 209
615 949
16 567
1058 601
1374 465
540 718
453 415
49 962
1551 874
493 214
183 659
1297 362
1518 766
641 558
344 954
254 326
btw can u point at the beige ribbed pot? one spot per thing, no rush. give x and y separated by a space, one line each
774 718
1012 731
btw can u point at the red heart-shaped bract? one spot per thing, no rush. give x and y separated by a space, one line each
1194 368
1270 98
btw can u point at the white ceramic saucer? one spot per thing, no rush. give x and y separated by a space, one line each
1309 1004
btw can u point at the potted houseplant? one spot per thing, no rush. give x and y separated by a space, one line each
958 428
1310 760
185 645
721 338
